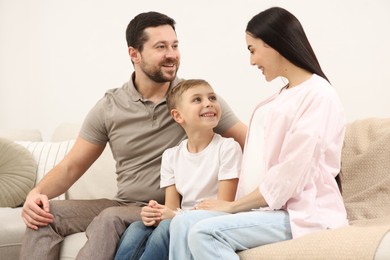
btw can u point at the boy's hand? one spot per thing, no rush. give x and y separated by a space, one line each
154 212
150 214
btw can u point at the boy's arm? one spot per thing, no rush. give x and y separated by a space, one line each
227 189
172 197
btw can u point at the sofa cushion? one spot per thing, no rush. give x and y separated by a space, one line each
366 168
357 241
47 155
99 181
17 173
72 245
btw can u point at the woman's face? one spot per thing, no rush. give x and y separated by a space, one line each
264 57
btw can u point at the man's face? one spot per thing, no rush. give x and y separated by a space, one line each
160 57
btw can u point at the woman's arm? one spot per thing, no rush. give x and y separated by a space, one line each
253 200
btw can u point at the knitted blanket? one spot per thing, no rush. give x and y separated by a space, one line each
366 192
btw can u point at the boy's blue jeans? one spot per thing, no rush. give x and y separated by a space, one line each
145 243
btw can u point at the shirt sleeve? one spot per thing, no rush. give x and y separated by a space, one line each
230 160
93 128
167 177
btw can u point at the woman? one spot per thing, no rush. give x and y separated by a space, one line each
292 154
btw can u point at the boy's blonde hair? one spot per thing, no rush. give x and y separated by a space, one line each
175 93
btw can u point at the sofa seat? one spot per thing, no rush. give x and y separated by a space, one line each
71 245
11 231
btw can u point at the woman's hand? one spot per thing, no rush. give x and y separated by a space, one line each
217 205
253 200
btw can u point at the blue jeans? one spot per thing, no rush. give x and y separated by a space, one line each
142 242
216 235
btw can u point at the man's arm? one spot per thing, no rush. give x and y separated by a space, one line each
238 132
36 211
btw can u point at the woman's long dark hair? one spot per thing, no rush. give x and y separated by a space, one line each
281 30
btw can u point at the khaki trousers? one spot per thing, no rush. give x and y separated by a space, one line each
103 220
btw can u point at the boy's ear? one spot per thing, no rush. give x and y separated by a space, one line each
176 116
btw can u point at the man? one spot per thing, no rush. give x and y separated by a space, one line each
135 121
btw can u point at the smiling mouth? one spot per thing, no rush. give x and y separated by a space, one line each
209 114
262 69
169 67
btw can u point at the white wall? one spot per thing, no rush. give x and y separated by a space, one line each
58 57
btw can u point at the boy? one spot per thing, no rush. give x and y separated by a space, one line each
206 165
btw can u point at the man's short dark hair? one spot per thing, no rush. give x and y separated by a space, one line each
135 32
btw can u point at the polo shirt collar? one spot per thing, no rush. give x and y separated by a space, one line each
136 96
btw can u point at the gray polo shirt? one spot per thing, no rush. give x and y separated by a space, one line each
138 132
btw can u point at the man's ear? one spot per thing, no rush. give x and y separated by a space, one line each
176 116
133 53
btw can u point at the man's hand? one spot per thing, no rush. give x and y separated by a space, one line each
36 211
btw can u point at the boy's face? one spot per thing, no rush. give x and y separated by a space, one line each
198 108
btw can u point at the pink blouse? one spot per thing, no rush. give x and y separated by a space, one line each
300 145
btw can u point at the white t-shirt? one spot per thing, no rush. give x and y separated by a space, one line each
196 175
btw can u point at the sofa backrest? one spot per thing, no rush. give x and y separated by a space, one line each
21 134
100 179
98 182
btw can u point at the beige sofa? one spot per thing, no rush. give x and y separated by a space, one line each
366 182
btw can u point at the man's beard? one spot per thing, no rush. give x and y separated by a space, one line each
157 75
